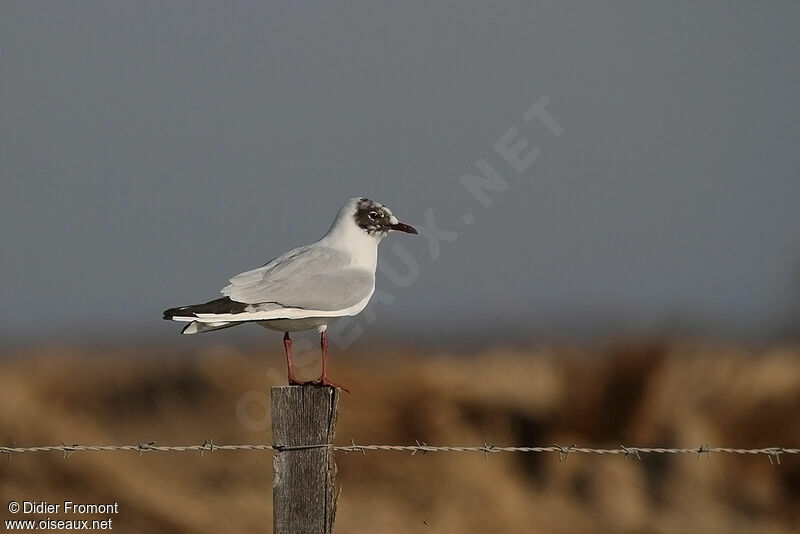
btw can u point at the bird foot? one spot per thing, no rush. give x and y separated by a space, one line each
293 381
324 382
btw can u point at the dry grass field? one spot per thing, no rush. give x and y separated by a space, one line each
635 393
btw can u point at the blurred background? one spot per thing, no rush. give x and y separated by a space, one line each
628 273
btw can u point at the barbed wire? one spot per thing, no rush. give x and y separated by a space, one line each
773 453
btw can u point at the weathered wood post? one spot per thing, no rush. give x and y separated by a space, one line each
303 495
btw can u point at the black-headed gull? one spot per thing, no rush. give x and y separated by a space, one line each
308 287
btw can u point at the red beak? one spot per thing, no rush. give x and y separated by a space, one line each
402 227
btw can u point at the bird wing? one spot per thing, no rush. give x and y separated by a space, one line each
311 278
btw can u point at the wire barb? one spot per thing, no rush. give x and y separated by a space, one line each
355 448
208 445
704 448
563 452
775 452
420 447
7 451
628 451
68 450
146 447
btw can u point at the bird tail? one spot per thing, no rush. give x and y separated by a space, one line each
196 327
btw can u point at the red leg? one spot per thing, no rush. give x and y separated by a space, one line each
323 380
323 345
287 346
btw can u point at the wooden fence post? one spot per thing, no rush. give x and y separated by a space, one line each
303 495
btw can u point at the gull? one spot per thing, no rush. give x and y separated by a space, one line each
308 287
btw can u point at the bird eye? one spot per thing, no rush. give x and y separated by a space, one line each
373 215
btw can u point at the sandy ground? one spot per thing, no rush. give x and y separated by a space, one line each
635 393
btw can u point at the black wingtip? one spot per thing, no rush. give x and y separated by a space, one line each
171 313
222 305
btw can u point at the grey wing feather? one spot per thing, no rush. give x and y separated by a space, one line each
314 278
